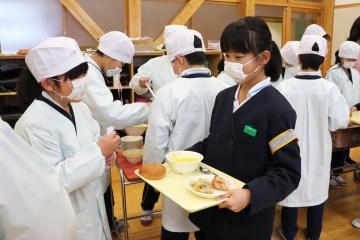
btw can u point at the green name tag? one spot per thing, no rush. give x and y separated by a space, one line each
250 131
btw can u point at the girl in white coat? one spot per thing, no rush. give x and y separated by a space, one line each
61 129
347 79
320 108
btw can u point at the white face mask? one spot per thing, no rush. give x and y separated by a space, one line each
113 72
236 70
348 64
79 87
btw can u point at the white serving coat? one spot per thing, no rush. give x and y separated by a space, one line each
180 117
76 158
104 109
160 72
33 201
350 90
320 109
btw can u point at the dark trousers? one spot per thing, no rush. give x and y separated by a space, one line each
314 222
149 197
109 205
338 160
167 235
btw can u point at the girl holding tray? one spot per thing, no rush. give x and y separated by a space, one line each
251 137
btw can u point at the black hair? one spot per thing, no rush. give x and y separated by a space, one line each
196 58
252 35
337 58
99 53
355 31
312 61
221 65
327 37
28 89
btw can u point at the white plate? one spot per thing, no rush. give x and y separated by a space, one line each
209 177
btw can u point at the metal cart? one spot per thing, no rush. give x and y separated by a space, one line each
127 177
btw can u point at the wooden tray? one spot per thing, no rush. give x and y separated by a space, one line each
346 138
173 186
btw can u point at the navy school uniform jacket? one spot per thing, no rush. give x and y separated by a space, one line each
266 158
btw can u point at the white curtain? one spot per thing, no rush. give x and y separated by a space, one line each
25 23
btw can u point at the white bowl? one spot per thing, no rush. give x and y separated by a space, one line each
184 162
136 130
131 142
134 156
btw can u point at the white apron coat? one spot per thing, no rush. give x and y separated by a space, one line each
180 117
33 201
350 90
104 109
160 72
320 109
75 156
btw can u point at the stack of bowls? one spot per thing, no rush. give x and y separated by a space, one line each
133 143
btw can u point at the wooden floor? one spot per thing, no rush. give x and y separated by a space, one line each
337 219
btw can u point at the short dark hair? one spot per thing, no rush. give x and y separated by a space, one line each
311 61
327 37
196 58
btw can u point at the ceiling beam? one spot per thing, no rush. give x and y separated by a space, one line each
182 17
84 19
133 18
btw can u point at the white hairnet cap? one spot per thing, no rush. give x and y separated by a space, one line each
289 52
349 49
117 46
53 57
315 29
170 29
312 44
181 42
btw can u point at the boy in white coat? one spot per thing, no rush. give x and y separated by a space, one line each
180 117
157 71
320 109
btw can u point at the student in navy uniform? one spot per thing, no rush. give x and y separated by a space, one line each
251 137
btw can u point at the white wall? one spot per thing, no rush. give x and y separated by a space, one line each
24 23
343 2
343 20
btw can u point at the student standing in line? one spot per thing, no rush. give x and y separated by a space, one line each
61 129
347 79
251 137
180 116
320 109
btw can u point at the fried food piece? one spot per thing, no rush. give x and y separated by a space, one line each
219 183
